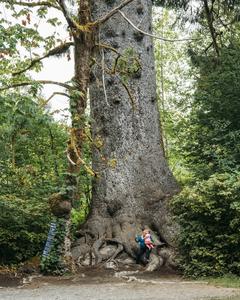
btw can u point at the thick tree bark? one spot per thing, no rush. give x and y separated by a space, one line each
134 182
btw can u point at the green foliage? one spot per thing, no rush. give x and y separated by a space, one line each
81 206
128 65
32 148
201 135
172 3
32 161
33 164
78 216
175 86
24 225
53 263
213 129
21 41
228 281
208 209
209 215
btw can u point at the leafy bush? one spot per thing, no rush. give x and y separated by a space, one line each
209 217
24 226
32 162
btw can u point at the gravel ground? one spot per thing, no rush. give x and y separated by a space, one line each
121 286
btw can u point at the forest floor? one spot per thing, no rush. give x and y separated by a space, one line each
110 285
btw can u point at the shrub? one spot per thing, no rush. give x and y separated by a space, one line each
209 218
24 226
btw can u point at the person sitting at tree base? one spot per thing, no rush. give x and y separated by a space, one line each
146 245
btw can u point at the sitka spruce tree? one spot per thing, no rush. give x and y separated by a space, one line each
114 65
134 182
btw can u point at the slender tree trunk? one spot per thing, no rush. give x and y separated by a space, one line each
83 42
209 16
162 123
53 150
134 182
13 150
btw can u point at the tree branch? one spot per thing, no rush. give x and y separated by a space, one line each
103 77
113 73
70 160
45 102
107 47
131 97
208 47
57 93
211 28
66 14
14 85
152 35
113 12
55 51
31 4
79 160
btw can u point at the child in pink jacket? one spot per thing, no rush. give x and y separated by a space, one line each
148 239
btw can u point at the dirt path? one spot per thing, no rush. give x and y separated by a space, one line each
118 286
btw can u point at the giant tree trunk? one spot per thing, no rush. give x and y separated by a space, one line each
134 182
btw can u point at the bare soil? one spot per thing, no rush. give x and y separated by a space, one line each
94 284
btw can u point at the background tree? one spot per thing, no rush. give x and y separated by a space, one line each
208 209
175 84
32 163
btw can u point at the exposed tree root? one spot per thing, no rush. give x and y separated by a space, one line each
109 243
96 246
118 250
